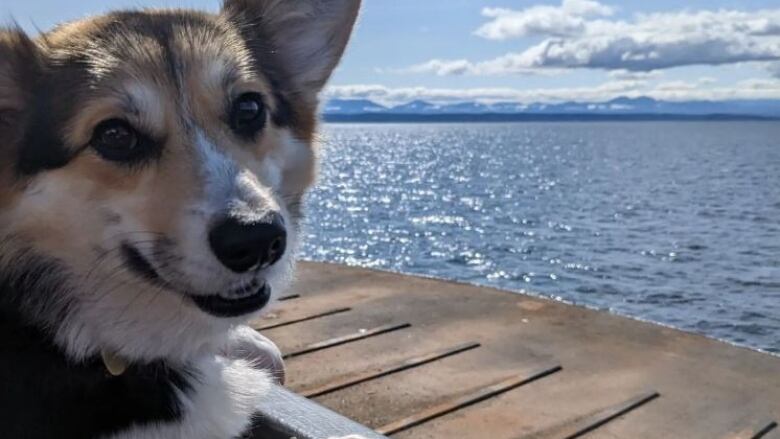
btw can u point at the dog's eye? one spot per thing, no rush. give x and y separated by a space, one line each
248 115
117 141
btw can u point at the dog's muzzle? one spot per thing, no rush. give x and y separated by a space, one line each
239 246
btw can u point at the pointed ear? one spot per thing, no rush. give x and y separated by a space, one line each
19 68
305 38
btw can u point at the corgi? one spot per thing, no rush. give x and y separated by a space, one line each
152 169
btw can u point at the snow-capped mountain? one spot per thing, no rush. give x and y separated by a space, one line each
617 106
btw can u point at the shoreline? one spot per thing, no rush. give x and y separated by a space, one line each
537 117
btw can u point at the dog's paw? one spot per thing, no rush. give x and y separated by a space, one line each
247 344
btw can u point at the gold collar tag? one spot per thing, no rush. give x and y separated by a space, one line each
115 365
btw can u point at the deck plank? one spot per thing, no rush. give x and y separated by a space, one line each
467 400
587 424
383 371
709 388
413 391
566 402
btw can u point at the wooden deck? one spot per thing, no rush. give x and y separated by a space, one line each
420 358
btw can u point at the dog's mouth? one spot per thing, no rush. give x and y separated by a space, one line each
234 303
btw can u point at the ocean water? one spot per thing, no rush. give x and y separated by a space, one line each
673 222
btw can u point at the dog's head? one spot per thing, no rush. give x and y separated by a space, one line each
152 165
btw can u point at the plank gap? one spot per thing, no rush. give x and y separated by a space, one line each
302 319
766 430
766 427
337 341
608 415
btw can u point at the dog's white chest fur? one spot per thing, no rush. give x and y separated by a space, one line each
224 396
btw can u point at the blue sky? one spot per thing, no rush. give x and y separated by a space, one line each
528 50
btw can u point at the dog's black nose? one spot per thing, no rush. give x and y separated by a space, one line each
241 246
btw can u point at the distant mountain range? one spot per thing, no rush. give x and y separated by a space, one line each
615 109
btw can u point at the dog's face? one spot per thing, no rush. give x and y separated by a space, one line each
152 166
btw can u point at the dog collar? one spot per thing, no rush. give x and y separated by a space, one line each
115 365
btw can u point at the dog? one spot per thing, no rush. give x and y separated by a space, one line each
152 169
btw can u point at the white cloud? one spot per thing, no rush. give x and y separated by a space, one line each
568 19
443 67
392 95
458 67
627 74
676 86
674 91
580 34
774 69
759 84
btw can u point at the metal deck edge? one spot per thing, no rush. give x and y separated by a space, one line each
285 415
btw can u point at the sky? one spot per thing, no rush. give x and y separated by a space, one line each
530 50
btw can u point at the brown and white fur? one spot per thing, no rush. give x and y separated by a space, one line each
101 256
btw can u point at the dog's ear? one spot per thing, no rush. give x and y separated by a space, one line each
305 37
20 64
